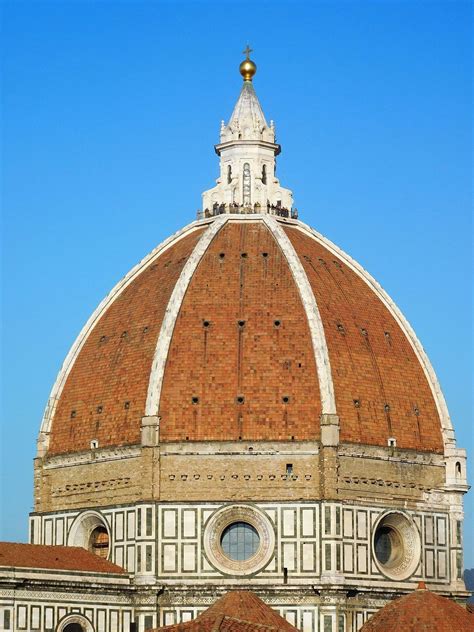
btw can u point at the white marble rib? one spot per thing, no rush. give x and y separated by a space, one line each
321 354
446 424
174 305
50 409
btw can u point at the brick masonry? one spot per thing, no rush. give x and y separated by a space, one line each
380 387
242 278
104 396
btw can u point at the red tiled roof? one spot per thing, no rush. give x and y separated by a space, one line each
66 558
236 611
421 611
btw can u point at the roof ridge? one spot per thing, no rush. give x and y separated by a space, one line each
217 624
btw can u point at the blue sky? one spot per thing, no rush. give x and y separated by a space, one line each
110 113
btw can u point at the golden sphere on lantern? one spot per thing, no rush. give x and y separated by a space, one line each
247 69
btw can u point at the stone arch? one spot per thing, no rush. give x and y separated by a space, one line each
84 529
74 623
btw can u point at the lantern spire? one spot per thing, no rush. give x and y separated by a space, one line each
247 151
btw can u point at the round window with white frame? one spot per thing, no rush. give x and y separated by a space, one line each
239 540
91 531
396 545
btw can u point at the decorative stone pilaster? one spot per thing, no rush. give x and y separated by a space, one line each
146 602
42 486
150 461
42 444
329 430
328 460
150 431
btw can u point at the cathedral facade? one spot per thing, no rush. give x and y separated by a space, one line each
247 408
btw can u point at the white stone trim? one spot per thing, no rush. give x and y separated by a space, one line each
101 455
85 624
83 526
215 528
408 552
446 425
48 415
174 305
321 353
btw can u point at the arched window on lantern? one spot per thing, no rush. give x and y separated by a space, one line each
246 185
264 174
229 174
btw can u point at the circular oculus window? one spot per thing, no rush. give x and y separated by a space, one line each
90 531
239 540
396 545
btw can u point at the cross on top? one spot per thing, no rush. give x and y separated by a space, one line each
247 51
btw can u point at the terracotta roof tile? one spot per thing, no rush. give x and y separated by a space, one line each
67 558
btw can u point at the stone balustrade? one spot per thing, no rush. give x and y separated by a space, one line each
269 209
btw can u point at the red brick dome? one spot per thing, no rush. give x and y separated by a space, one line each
246 327
421 611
